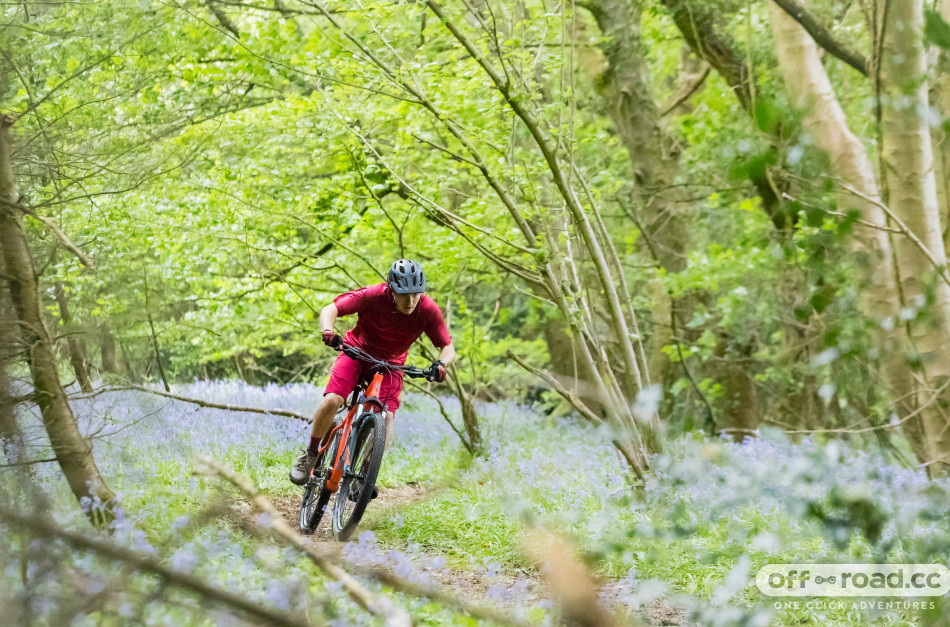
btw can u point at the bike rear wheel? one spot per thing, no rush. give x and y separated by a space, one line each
315 494
356 489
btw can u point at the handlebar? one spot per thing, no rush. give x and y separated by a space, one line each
355 352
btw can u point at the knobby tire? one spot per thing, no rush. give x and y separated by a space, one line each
347 513
316 495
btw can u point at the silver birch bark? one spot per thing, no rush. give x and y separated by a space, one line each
941 134
908 169
811 91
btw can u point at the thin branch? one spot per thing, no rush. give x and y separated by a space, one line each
445 414
591 241
223 19
34 104
839 214
890 425
151 325
450 125
904 229
451 154
821 35
685 93
38 527
29 463
281 529
377 605
571 397
62 237
198 401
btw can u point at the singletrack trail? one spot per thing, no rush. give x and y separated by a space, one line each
388 501
505 588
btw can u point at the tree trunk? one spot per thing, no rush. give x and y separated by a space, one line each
624 87
77 352
473 430
907 167
107 346
126 358
941 134
73 452
809 87
10 438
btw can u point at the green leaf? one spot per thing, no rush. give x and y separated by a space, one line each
936 29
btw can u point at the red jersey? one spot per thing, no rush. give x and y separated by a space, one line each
385 332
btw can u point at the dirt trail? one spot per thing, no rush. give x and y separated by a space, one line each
506 589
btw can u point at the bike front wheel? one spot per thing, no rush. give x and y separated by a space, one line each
356 490
315 494
314 504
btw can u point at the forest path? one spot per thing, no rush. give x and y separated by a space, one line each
506 588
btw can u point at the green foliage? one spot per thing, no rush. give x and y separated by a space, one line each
936 29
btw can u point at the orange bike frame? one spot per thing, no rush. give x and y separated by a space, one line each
345 428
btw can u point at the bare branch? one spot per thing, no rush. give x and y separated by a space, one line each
685 93
57 232
200 402
39 527
890 425
30 462
591 240
445 414
904 229
223 19
821 35
380 606
327 563
569 395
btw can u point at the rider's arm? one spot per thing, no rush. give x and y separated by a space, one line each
448 354
328 317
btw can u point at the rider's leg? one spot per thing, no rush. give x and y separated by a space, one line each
343 378
344 375
389 428
323 417
322 420
389 394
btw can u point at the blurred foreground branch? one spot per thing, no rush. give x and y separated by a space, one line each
40 528
377 605
575 587
332 567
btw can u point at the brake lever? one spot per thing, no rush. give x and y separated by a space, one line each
416 373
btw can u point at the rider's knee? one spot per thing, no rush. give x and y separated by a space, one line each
333 400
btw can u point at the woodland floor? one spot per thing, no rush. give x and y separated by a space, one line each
468 584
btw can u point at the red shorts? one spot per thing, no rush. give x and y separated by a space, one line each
347 372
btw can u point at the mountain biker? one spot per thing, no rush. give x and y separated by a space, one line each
392 315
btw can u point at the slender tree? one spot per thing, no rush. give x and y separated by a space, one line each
75 347
911 192
810 88
73 452
9 432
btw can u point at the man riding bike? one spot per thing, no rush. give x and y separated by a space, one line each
392 315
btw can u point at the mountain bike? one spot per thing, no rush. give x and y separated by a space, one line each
351 453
